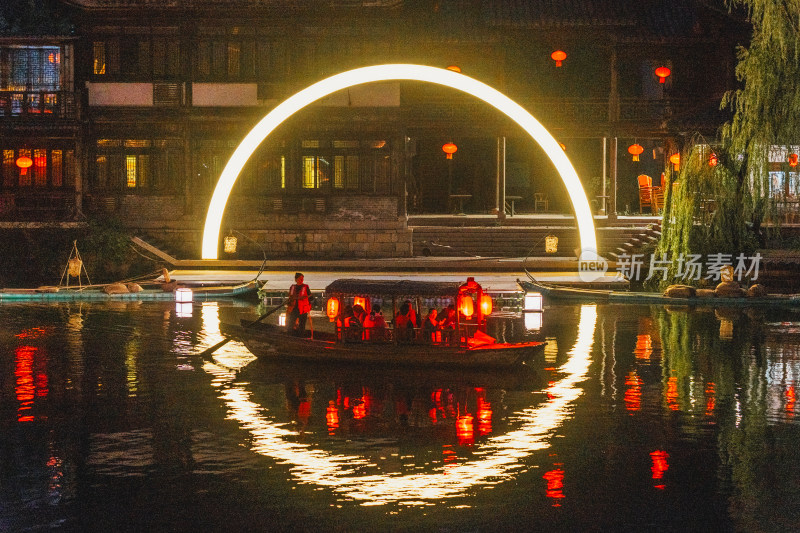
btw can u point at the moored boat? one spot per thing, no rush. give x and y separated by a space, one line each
575 294
158 291
466 345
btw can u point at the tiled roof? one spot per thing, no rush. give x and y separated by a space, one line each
635 19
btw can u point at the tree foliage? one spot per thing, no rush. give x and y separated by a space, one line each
721 209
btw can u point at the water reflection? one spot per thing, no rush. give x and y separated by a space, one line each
495 460
634 415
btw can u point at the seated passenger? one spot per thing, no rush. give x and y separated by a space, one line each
403 326
448 325
350 327
375 325
430 327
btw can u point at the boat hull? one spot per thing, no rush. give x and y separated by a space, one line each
603 296
95 294
270 342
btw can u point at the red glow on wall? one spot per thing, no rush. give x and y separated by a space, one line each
660 465
672 393
555 485
633 392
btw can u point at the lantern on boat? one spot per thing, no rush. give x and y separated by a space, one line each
333 308
551 244
282 319
486 304
362 301
466 305
533 301
183 295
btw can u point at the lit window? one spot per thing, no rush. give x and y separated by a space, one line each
130 170
99 58
56 168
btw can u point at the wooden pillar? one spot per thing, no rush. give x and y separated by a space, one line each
500 188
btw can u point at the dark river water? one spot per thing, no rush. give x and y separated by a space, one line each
633 419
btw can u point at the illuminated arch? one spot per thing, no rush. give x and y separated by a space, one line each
448 78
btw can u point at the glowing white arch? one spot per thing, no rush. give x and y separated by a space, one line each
448 78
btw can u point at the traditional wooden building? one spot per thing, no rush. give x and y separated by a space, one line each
151 97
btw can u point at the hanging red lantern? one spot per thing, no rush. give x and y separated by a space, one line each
635 150
449 149
24 163
793 160
454 68
333 308
675 159
713 160
558 56
486 304
466 305
360 300
663 73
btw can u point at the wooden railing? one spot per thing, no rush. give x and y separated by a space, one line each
37 207
45 104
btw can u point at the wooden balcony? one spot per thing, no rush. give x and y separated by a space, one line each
38 104
33 206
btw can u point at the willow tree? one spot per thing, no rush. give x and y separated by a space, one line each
721 208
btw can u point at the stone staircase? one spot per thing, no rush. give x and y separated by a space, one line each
647 237
521 241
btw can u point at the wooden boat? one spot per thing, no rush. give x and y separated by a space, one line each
154 292
471 347
575 294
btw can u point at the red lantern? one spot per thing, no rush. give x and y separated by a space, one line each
24 163
466 305
558 56
449 149
663 73
333 308
675 159
454 68
486 304
793 160
360 300
713 160
635 150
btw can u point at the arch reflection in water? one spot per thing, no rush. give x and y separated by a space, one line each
356 477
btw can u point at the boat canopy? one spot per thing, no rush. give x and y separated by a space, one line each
354 287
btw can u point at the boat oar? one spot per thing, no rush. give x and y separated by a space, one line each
226 340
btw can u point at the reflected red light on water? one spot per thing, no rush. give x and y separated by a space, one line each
332 417
791 397
633 392
484 417
672 393
449 456
31 382
711 401
359 411
644 347
31 333
660 465
465 430
555 485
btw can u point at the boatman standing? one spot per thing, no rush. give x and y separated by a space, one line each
298 306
